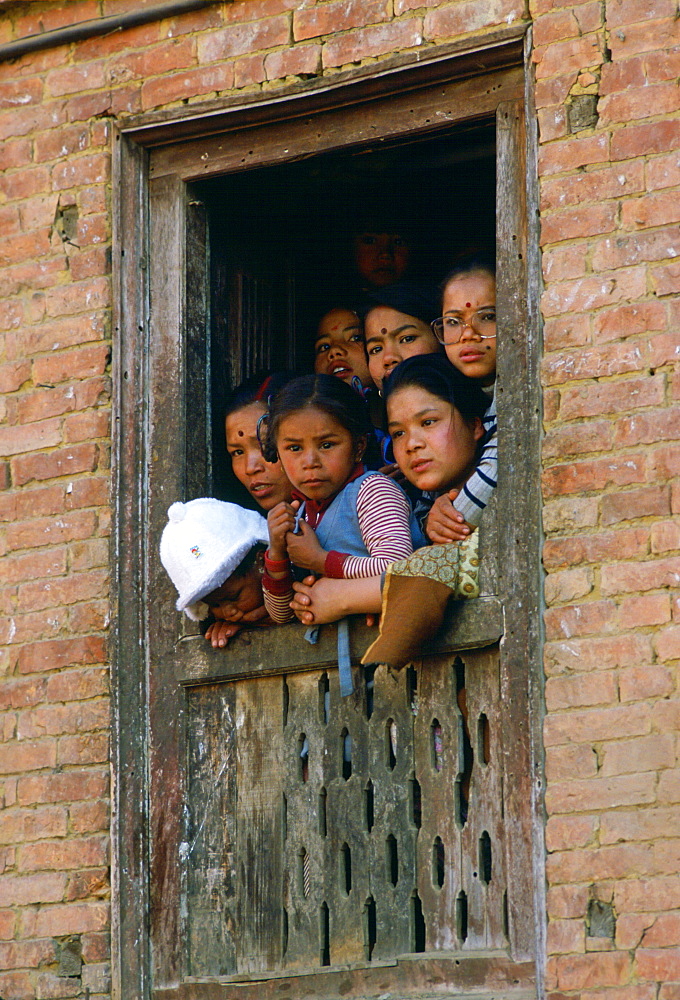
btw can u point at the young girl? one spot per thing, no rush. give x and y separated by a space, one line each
397 326
344 522
467 329
435 419
339 348
238 601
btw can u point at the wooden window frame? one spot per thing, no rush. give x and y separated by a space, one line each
155 157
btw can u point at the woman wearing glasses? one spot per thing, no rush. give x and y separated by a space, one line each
467 329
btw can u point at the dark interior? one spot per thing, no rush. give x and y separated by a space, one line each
281 244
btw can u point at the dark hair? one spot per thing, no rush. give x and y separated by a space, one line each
324 392
467 265
436 374
258 388
414 298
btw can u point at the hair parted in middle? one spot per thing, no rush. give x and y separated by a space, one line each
436 374
323 392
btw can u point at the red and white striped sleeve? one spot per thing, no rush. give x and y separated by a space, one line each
384 520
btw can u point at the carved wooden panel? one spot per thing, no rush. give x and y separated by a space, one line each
325 831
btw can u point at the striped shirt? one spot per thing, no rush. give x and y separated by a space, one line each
479 488
384 514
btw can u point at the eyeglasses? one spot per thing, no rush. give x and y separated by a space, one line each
449 329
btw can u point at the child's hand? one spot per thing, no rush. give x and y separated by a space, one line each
281 521
305 550
219 633
444 523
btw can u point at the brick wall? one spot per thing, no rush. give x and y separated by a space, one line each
607 99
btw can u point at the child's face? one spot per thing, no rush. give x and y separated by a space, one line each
472 299
240 591
339 349
381 258
392 336
434 446
317 452
265 481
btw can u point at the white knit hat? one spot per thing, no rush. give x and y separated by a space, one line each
203 543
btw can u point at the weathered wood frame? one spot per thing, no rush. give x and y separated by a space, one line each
154 159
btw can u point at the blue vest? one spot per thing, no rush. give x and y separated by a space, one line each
339 528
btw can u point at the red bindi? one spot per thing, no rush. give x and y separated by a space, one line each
383 330
240 434
467 305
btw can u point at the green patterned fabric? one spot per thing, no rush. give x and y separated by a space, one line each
456 565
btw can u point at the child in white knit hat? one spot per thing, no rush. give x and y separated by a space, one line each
213 553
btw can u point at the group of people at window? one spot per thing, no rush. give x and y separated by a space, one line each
387 447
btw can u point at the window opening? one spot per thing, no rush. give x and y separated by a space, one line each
324 698
370 928
369 805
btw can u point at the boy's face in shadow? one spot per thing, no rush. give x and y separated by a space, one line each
381 258
240 591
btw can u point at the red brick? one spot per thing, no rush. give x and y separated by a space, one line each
206 80
90 748
37 274
464 17
664 931
58 720
645 428
17 985
77 297
14 375
584 294
24 184
568 901
57 592
570 513
248 71
629 321
95 948
35 565
588 971
648 753
57 653
594 864
596 794
632 504
7 921
594 548
43 500
42 403
14 154
80 852
301 60
372 41
657 209
89 817
555 27
638 103
75 79
88 554
77 685
52 987
663 171
74 918
639 824
618 181
339 15
570 54
577 439
638 140
640 682
663 463
666 279
646 36
662 65
648 895
34 21
649 609
567 329
567 224
242 39
81 170
77 363
594 474
65 786
627 12
48 887
20 93
619 578
53 335
66 462
617 76
611 397
47 531
16 758
667 643
596 724
580 690
156 60
568 585
25 246
84 885
565 936
665 536
19 825
60 142
87 263
623 251
669 991
579 619
658 964
17 440
133 38
89 616
552 123
562 263
33 118
88 425
563 762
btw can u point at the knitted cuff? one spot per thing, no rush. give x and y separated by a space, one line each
334 563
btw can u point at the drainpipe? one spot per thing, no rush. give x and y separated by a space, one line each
98 26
